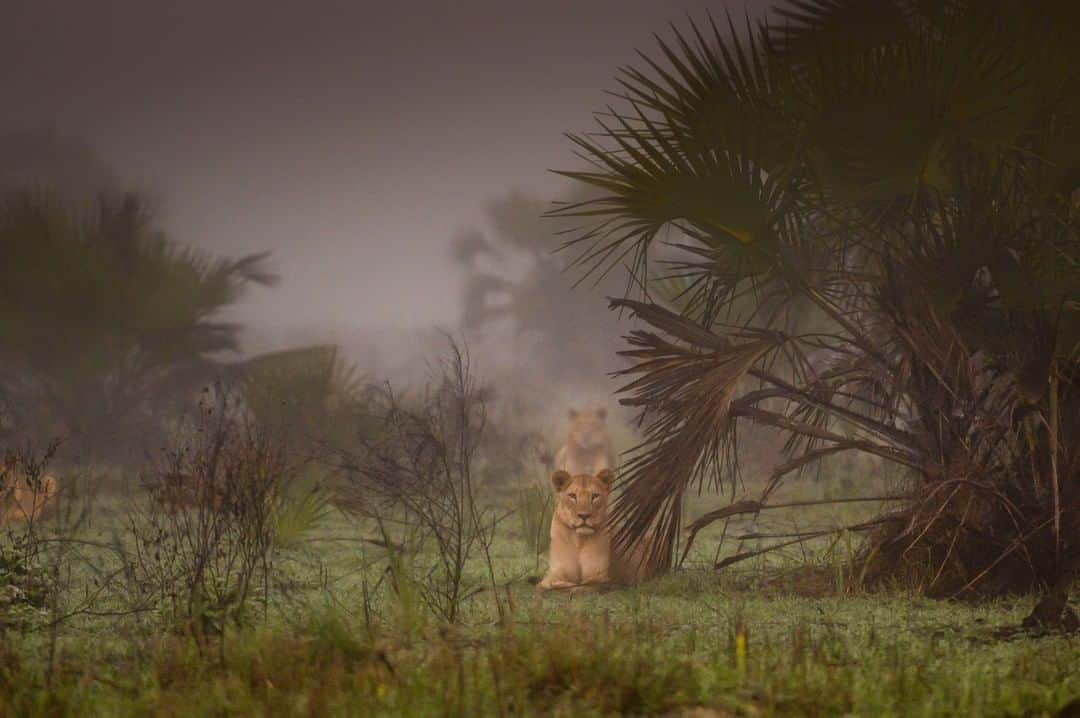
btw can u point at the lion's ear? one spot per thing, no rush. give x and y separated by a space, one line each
572 414
560 480
601 413
606 476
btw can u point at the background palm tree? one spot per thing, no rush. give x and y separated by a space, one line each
110 328
515 280
105 323
903 174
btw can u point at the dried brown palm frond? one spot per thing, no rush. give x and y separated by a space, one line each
988 513
991 508
686 393
978 518
692 393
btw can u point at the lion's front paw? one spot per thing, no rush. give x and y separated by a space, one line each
593 586
550 583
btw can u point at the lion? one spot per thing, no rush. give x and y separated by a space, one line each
587 449
581 556
19 501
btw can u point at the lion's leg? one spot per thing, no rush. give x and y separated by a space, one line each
595 562
574 588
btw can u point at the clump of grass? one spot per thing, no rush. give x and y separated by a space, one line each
610 669
299 512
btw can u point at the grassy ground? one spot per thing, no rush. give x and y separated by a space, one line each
337 639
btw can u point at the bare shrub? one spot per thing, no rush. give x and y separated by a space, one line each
50 571
202 543
420 472
25 490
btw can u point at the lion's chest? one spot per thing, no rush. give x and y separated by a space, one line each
593 563
585 563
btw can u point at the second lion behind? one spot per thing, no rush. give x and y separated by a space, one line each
587 449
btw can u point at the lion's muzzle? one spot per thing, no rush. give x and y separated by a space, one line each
584 527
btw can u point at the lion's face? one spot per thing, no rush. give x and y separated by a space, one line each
581 502
588 428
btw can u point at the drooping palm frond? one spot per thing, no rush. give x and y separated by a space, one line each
685 391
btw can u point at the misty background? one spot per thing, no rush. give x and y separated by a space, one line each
394 159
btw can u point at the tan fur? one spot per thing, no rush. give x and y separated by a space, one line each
587 449
581 557
20 502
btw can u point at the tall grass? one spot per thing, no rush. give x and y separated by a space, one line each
534 506
611 655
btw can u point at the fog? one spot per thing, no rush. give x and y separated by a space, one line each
300 405
352 139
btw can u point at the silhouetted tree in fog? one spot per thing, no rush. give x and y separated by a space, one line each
515 278
105 323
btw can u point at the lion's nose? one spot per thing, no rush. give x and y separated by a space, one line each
583 516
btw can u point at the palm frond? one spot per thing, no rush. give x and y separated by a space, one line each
802 27
685 393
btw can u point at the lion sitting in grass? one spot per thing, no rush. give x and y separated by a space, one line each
19 501
581 555
587 449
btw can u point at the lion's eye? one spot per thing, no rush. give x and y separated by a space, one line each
595 497
573 497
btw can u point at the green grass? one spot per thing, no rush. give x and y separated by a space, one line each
336 642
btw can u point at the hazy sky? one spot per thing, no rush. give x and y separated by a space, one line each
352 139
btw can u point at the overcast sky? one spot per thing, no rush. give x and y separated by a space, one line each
352 139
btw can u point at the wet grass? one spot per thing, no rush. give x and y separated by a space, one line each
774 638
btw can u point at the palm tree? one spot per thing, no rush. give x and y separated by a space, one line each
566 329
903 173
105 323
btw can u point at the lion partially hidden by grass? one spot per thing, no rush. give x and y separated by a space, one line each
21 499
581 555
